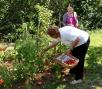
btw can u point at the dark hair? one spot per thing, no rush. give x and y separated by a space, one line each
52 30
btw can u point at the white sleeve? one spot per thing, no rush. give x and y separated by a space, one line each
76 18
75 14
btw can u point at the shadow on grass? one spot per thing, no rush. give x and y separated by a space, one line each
93 72
94 58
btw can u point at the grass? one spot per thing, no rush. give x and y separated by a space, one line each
93 67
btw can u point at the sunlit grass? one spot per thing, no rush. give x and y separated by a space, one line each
96 38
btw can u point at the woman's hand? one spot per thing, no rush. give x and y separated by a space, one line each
68 52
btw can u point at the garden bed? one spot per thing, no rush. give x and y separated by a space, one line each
39 79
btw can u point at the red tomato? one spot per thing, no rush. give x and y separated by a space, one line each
1 81
70 62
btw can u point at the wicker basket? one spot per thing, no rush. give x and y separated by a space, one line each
63 64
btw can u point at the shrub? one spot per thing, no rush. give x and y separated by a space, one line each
5 76
28 55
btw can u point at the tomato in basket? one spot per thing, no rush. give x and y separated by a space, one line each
70 62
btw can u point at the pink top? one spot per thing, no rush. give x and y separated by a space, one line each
71 21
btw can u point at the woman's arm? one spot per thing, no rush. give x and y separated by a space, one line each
52 44
64 19
73 45
76 18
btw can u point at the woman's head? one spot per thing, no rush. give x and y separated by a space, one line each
53 31
70 9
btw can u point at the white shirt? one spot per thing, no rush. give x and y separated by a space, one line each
69 34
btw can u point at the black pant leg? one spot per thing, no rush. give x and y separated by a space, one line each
79 52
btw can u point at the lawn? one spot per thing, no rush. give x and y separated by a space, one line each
93 67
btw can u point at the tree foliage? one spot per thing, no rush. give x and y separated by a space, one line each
13 13
89 12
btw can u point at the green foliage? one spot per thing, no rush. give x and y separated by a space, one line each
4 5
35 16
25 29
59 8
19 72
5 75
44 16
10 37
20 12
10 54
89 13
56 69
2 56
28 60
28 52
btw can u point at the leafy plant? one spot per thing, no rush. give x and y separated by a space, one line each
5 76
56 69
10 54
2 56
19 72
44 16
28 54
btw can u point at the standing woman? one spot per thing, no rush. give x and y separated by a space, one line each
70 17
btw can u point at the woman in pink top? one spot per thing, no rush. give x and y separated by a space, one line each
70 17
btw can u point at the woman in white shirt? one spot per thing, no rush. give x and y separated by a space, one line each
78 40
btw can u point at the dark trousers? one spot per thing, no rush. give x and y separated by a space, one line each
80 52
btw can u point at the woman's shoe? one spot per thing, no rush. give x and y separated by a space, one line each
76 81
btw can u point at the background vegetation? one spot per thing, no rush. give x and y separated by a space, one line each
38 14
24 23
